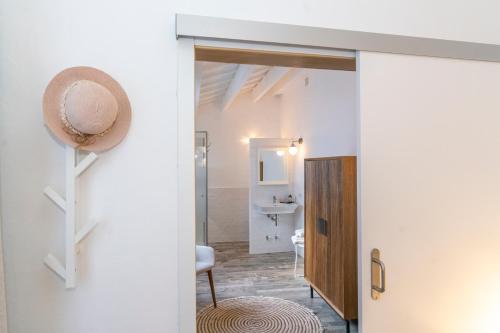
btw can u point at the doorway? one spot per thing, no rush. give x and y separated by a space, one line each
259 106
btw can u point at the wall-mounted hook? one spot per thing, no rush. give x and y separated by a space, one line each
67 271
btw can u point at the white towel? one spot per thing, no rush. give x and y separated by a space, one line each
297 240
299 233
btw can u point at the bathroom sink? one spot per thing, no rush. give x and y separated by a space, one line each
276 208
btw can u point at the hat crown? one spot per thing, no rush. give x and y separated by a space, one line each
89 107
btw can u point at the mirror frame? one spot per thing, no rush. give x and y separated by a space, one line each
273 182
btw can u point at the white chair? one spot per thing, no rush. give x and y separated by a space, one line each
205 261
298 241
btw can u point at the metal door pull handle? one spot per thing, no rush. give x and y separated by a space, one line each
378 279
380 289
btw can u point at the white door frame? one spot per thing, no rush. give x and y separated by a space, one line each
186 233
194 30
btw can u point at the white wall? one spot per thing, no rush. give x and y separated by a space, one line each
228 166
128 273
227 214
127 267
320 107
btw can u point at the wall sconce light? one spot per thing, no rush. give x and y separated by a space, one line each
280 152
293 148
245 140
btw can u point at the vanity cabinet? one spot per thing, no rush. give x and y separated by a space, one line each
330 254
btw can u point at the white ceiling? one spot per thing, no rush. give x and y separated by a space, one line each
215 79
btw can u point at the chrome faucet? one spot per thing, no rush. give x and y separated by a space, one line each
275 200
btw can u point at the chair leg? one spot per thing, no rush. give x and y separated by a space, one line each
212 288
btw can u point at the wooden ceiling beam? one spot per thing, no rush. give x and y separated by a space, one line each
275 75
240 78
272 58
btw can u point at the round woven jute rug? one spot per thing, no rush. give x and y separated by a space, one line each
257 315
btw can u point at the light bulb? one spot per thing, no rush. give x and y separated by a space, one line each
280 152
293 149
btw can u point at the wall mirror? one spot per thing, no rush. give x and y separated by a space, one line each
272 166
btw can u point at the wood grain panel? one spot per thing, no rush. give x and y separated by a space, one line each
335 262
321 258
309 208
331 259
349 218
309 218
272 58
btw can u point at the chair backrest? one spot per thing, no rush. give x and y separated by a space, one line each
205 254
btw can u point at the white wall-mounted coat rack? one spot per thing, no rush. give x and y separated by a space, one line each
69 206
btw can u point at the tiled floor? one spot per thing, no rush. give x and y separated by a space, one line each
238 273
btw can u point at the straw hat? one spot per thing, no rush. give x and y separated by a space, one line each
87 109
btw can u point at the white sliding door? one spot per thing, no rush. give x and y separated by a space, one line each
430 193
3 301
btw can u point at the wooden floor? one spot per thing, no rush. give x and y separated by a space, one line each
238 273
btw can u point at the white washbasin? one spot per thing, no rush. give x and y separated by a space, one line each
277 208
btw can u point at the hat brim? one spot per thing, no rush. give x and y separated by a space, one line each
53 102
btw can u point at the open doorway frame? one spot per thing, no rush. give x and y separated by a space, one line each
196 31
